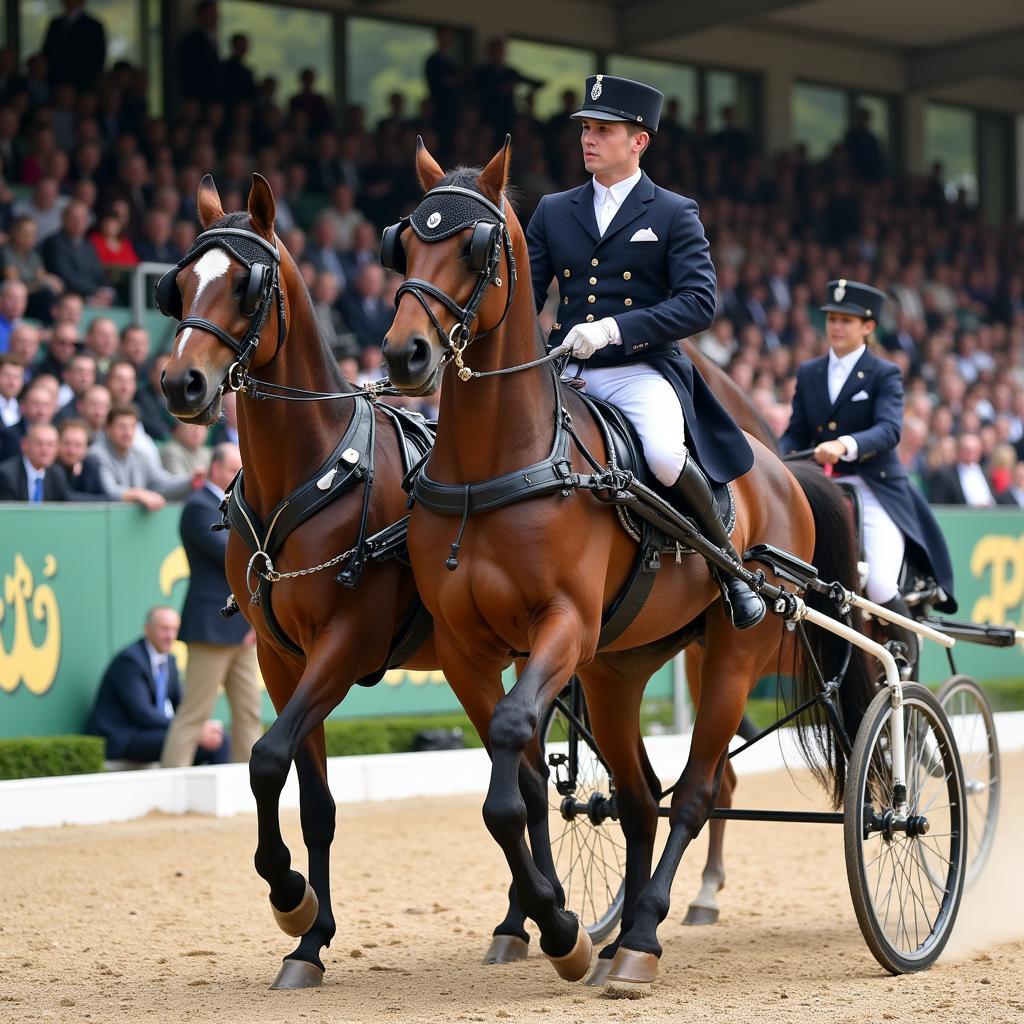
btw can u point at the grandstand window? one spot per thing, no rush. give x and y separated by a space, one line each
820 115
728 89
676 81
121 20
996 166
386 57
561 68
950 139
282 42
153 56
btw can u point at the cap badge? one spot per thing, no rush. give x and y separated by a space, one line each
840 290
598 88
434 219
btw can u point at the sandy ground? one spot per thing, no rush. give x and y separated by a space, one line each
165 919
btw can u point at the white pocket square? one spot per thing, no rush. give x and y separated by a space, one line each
644 235
859 397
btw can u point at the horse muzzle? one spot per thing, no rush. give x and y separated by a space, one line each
191 396
414 366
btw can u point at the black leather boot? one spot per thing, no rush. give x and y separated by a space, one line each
903 643
744 607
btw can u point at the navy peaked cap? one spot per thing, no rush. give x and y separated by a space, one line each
854 298
607 98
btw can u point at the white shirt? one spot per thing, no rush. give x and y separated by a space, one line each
33 475
839 369
607 200
214 489
976 490
10 411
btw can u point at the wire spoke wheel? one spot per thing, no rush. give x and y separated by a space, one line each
974 729
587 844
906 870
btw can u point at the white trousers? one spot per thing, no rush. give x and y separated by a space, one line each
883 545
650 404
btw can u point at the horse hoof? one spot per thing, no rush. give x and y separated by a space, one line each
575 964
298 974
298 921
633 968
506 949
698 915
599 975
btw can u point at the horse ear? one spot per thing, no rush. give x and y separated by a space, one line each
262 208
427 168
494 177
208 202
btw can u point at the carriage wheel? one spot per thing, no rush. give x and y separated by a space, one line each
974 729
906 877
587 844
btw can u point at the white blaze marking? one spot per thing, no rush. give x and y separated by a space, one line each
212 264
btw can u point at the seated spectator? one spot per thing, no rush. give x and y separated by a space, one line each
226 428
367 314
324 255
45 209
24 343
1014 494
79 467
101 340
13 302
61 348
38 405
155 245
365 250
140 691
343 216
71 256
112 245
134 347
131 472
79 375
69 309
12 380
963 483
93 408
122 381
20 261
32 476
184 452
325 305
156 420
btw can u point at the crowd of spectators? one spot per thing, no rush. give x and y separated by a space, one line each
93 182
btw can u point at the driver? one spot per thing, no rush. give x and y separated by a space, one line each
634 276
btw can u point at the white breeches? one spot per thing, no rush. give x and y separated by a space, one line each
650 404
883 545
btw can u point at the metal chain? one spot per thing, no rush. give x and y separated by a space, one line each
271 575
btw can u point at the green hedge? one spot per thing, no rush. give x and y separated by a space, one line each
33 757
389 735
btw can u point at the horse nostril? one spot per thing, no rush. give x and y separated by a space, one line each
195 386
419 359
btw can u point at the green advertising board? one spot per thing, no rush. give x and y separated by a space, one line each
78 580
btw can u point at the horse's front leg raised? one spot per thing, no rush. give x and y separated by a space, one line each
300 908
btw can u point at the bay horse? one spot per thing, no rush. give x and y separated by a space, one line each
533 579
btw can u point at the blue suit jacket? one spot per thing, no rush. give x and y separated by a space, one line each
658 291
125 704
874 421
208 588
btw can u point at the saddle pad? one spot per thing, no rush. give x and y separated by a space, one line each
623 444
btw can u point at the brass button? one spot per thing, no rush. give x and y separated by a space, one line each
591 298
590 318
629 302
565 273
626 275
565 301
556 327
831 424
593 280
594 263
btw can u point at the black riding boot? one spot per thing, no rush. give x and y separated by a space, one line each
744 607
900 635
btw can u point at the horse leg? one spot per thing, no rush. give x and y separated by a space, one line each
704 908
614 687
555 648
732 666
293 900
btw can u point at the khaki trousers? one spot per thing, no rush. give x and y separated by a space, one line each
210 667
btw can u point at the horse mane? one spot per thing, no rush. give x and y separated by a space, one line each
238 219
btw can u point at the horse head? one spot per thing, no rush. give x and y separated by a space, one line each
455 251
228 294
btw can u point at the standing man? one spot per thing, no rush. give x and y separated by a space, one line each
221 652
75 47
634 276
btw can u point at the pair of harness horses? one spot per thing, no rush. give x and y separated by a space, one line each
504 581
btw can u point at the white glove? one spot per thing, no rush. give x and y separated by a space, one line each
586 339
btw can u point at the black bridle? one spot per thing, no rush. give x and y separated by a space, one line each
498 239
263 288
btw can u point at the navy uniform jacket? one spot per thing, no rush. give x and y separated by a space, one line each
125 707
874 423
201 621
659 291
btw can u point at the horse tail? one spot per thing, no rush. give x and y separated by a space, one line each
835 557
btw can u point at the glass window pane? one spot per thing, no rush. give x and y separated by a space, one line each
729 89
386 57
120 20
676 81
949 138
155 57
282 41
819 117
561 68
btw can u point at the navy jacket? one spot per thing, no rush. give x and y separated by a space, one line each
874 422
658 291
125 707
201 622
14 482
